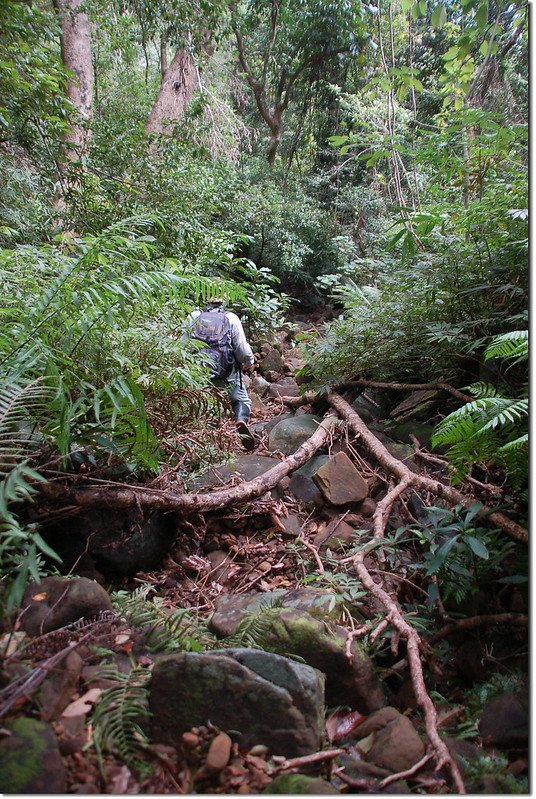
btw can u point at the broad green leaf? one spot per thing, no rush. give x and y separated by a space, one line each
439 17
478 547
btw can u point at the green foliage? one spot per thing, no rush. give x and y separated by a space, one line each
166 630
22 405
118 716
463 555
32 78
491 429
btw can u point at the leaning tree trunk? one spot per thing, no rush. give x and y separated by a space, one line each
178 85
76 55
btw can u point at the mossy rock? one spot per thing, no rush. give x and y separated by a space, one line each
30 761
299 783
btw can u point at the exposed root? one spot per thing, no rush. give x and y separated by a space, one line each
414 644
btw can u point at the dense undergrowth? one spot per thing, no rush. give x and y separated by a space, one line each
397 202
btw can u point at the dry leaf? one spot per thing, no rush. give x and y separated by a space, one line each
83 704
11 642
122 638
40 597
341 724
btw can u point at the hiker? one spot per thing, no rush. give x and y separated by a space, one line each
229 354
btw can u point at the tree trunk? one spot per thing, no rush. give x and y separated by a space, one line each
176 90
276 133
76 55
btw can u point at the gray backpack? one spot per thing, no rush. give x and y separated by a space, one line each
214 330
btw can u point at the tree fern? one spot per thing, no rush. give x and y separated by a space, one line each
118 716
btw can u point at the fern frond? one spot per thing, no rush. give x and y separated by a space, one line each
255 629
166 630
509 345
118 716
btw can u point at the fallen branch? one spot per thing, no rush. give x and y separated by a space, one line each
154 499
516 531
414 643
517 619
313 396
407 773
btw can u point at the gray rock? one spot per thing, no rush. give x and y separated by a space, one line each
403 452
58 687
340 482
288 435
422 432
416 406
505 722
366 409
220 563
248 467
322 644
301 483
271 423
190 689
231 609
336 536
272 362
260 385
57 601
30 761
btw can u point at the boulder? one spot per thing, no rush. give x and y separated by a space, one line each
301 483
119 542
321 644
57 601
505 722
288 435
389 740
30 760
367 410
285 387
418 405
231 609
272 362
248 467
261 697
340 482
260 385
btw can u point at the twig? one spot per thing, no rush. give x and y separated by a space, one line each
408 773
305 760
314 551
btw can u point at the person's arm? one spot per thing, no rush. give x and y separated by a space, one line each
242 350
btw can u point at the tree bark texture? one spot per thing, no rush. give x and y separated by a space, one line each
76 56
176 90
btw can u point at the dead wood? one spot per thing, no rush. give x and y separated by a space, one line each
516 619
313 396
516 531
154 499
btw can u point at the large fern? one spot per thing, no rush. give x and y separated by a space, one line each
22 405
118 716
492 428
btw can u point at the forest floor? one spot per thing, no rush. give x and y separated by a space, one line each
448 643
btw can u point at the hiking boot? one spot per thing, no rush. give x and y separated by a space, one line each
246 436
